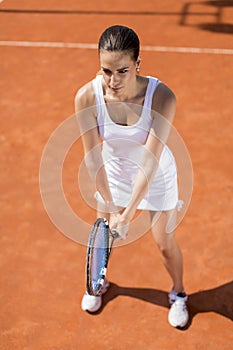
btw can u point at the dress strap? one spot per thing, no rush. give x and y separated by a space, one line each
97 86
99 100
152 86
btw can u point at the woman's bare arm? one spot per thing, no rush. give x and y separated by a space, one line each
86 115
164 103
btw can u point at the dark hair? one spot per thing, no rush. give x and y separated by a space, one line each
120 38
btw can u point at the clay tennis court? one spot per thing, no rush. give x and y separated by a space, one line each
47 52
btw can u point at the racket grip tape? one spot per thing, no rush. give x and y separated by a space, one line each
114 233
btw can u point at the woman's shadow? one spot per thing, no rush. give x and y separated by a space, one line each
218 300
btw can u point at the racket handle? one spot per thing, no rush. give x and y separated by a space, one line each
114 233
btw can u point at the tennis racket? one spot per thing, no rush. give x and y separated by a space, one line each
98 252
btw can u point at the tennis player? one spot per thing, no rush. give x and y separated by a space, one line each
133 168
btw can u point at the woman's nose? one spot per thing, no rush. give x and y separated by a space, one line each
114 79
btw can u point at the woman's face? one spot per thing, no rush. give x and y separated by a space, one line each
119 72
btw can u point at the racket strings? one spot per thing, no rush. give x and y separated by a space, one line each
98 256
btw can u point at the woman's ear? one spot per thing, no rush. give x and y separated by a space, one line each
138 62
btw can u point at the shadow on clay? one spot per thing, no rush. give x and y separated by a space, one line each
218 300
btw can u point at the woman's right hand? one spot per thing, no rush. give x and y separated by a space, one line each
120 224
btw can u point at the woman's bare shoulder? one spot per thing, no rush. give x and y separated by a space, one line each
85 96
164 102
164 92
163 96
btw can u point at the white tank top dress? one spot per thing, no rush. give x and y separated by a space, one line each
122 152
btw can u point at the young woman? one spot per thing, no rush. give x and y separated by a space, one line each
133 168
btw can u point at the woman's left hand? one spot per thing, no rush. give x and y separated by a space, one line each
120 224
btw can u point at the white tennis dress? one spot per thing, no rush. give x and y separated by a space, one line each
122 152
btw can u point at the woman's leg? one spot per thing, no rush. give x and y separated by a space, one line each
163 229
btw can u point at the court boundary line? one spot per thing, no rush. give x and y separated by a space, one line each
103 12
151 48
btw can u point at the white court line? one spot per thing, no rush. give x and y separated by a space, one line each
48 44
196 50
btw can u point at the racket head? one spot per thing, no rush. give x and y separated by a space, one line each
98 252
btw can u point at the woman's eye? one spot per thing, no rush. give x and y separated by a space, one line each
107 71
120 71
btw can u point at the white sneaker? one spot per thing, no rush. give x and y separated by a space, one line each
178 314
93 303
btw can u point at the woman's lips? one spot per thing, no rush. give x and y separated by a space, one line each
115 88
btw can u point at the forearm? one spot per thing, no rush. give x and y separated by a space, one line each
96 170
142 183
102 185
147 170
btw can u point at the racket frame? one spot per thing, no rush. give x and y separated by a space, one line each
110 235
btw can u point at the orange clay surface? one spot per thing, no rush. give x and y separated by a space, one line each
42 271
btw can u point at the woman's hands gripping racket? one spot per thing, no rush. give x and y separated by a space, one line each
98 252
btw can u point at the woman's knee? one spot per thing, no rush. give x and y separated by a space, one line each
166 248
166 242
